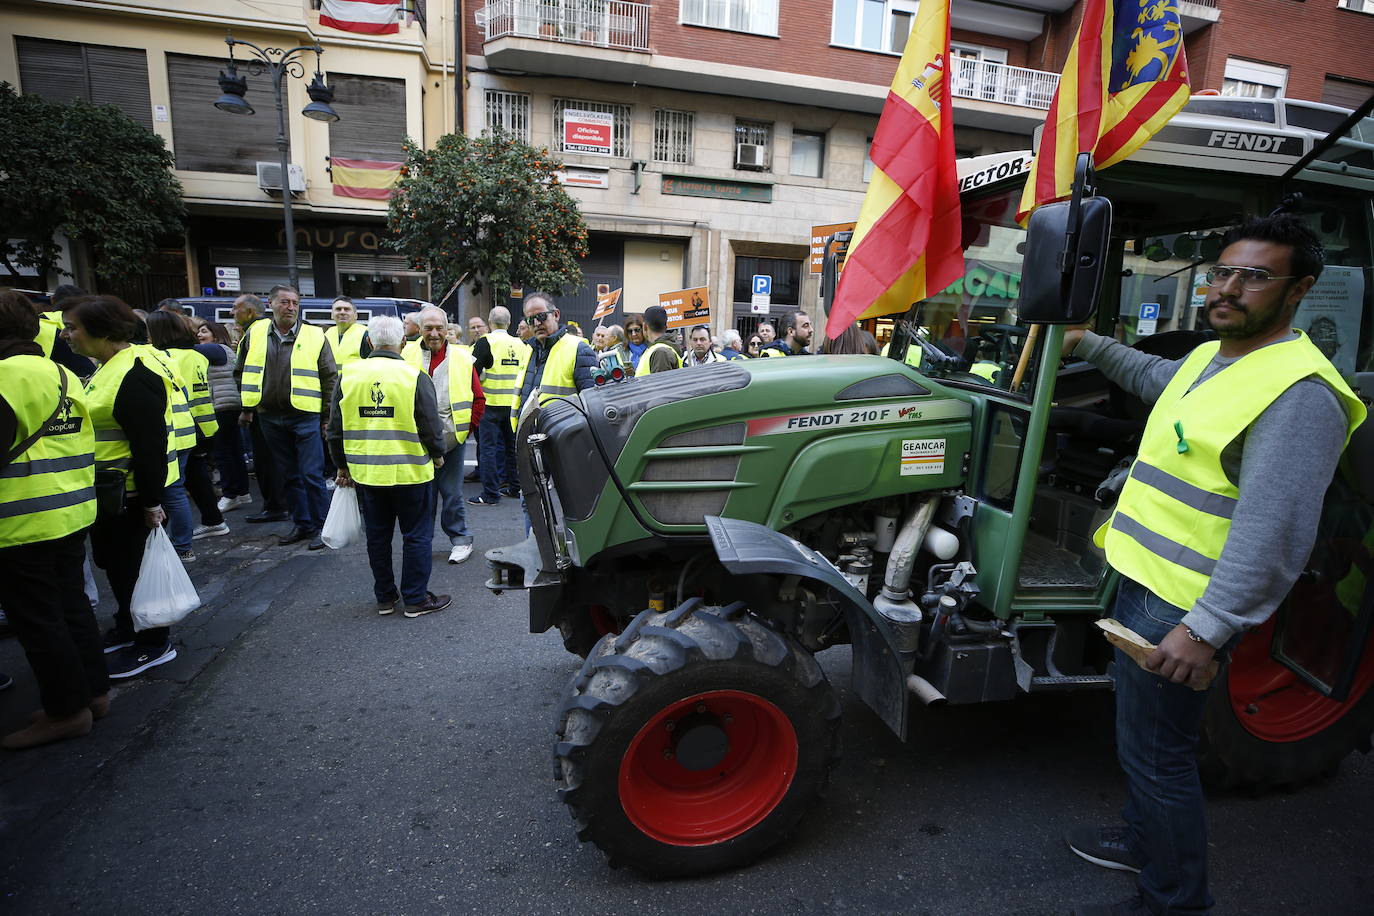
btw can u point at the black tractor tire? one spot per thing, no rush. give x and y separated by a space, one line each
694 741
581 629
1233 756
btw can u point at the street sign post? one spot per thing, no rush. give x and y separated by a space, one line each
762 297
1149 318
227 279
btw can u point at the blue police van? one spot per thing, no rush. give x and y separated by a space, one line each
314 309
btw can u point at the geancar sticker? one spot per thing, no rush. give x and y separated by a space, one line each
923 456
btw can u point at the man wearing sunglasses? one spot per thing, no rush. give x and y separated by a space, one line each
1213 526
560 363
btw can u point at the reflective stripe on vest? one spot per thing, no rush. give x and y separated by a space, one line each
380 439
509 356
47 492
348 346
305 366
646 367
183 424
557 379
460 392
194 369
111 445
1174 514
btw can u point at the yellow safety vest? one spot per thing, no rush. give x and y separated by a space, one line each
305 366
49 326
645 366
558 374
183 423
460 392
380 439
112 450
1174 513
509 356
194 369
913 354
347 346
414 352
48 491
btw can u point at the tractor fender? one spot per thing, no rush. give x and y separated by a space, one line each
746 548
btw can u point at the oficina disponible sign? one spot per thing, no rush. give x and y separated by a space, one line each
587 131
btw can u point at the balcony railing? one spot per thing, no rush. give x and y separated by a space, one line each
601 23
994 82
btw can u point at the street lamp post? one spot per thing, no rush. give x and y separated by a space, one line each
279 64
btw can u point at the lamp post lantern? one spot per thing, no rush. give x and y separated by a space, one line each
278 63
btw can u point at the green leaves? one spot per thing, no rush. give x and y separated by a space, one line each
88 172
487 210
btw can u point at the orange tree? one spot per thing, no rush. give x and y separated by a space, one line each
487 210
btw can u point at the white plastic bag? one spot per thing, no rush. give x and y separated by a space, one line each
164 594
343 525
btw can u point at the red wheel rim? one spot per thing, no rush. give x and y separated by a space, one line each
685 807
603 620
1274 704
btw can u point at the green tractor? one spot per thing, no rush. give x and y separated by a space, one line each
699 536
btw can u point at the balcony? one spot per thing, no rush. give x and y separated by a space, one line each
615 24
993 82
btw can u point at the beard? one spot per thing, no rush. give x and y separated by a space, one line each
1251 324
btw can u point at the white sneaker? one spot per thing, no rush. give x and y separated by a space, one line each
209 531
234 502
460 553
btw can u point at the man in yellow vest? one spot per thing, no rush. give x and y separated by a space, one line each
661 354
347 339
501 359
387 440
560 363
1214 524
247 310
286 376
459 394
477 329
47 502
796 336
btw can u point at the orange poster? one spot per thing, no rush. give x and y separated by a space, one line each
687 307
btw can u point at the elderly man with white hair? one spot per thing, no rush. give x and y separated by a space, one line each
502 358
387 440
461 402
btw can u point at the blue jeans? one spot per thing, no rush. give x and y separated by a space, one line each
412 507
496 452
180 526
1157 727
448 489
298 456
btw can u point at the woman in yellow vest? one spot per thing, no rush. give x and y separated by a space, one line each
47 501
129 400
171 334
386 438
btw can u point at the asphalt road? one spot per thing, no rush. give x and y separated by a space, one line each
304 755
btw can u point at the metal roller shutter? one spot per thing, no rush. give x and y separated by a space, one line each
372 118
205 139
259 270
62 71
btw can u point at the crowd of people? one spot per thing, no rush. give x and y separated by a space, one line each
122 421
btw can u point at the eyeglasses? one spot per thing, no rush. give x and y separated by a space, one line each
634 329
533 320
755 343
1251 278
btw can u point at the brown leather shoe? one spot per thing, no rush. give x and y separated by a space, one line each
46 731
100 708
431 604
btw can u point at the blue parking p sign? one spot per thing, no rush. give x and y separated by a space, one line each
763 285
1149 310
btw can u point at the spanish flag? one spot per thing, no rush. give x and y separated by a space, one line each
364 178
907 240
1126 76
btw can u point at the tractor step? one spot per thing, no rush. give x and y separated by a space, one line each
1070 682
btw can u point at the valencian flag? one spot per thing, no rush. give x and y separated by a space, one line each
907 240
1126 76
373 17
365 178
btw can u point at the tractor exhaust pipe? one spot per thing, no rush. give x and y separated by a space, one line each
925 691
897 582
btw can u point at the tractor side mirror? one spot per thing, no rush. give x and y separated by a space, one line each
1066 254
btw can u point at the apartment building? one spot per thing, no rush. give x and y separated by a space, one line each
160 62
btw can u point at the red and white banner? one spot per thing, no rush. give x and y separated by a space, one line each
373 17
587 131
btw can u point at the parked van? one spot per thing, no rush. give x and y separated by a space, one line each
314 309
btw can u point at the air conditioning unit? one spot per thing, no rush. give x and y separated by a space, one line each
269 177
750 156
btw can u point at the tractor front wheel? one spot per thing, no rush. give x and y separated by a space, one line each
695 740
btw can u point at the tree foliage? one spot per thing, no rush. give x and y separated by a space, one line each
89 172
487 210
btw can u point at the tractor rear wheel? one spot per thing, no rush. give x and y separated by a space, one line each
1265 728
695 740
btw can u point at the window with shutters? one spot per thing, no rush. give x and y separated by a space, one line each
620 127
61 71
205 139
672 136
372 118
509 112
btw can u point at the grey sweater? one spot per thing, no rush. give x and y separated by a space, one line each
1282 466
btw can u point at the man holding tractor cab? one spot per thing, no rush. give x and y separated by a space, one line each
1213 526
